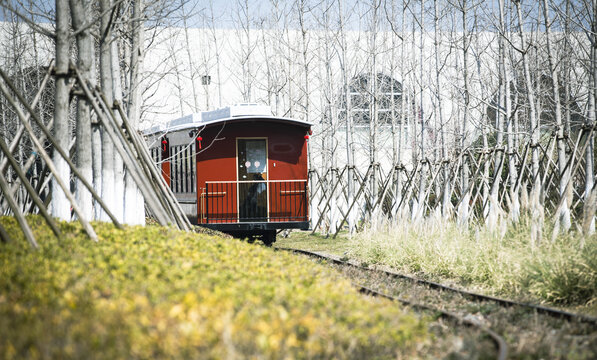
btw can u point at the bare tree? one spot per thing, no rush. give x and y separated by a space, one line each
463 208
445 202
60 205
589 216
419 203
302 10
81 16
349 128
247 46
217 51
190 59
134 201
562 218
108 181
506 104
119 174
536 207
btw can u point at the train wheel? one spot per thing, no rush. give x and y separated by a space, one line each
269 237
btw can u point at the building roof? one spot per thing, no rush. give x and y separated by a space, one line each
233 113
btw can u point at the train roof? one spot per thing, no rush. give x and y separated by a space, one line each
234 113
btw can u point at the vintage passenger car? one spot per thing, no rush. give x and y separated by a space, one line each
238 169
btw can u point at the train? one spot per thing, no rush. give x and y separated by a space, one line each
238 169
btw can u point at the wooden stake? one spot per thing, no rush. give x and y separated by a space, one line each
160 213
45 155
4 237
30 190
61 151
142 150
354 201
17 212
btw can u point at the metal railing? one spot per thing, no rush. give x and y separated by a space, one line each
253 201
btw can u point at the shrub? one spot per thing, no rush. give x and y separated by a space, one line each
154 292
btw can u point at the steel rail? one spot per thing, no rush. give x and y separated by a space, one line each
500 343
435 285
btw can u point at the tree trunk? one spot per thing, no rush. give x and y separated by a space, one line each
501 118
589 228
536 208
507 104
404 108
562 218
80 13
445 201
60 205
108 190
373 113
463 208
119 181
350 190
216 51
190 58
134 202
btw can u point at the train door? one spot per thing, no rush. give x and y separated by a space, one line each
252 179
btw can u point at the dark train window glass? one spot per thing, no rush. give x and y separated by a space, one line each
179 168
183 170
182 174
185 163
252 159
192 172
172 169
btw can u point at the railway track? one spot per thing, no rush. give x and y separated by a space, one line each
500 343
466 319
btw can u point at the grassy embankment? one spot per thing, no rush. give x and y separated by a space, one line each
561 273
158 293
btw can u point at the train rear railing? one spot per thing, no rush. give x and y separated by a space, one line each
254 201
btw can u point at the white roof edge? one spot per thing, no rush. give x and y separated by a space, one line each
180 124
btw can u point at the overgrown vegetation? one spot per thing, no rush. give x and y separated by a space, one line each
155 292
561 273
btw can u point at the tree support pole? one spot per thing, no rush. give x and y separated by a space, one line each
56 147
29 188
88 228
17 212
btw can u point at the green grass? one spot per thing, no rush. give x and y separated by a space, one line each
560 273
155 292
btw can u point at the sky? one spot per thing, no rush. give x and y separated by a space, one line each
226 12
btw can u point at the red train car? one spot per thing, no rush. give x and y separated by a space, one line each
239 169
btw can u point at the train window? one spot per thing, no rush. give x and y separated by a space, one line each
177 164
177 169
254 156
182 172
174 169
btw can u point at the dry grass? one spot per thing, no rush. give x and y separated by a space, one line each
502 263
